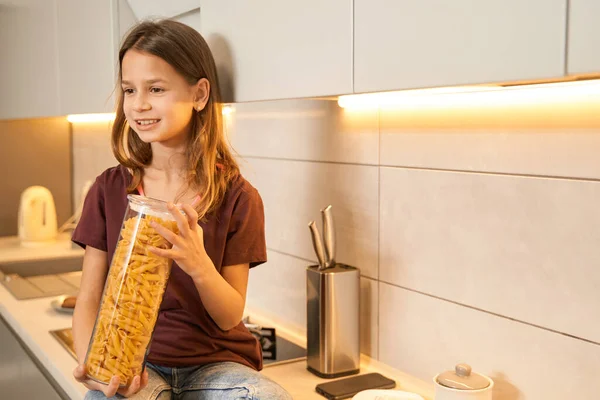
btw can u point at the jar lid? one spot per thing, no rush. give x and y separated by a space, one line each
462 379
149 206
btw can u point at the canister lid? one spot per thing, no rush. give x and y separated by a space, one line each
149 206
462 379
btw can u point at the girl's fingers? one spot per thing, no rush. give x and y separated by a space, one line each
169 235
79 373
181 220
132 389
144 379
167 253
113 386
192 216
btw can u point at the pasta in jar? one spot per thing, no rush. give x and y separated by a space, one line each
132 295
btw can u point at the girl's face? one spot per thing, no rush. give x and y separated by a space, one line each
157 101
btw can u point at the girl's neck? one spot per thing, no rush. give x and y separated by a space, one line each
169 163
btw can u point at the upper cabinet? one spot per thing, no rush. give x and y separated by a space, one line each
86 55
28 60
191 18
59 56
416 44
161 8
268 49
584 37
89 37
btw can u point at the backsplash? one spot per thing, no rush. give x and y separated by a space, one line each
91 154
474 229
34 152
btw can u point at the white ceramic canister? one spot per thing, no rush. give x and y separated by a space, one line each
462 384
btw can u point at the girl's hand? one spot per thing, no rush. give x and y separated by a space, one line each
188 246
112 388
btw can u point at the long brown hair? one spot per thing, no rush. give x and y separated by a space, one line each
186 51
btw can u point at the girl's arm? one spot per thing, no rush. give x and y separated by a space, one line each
224 295
95 269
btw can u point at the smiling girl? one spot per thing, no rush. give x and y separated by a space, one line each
169 141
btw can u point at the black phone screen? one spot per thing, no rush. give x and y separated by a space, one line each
348 387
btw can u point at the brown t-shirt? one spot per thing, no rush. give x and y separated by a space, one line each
185 334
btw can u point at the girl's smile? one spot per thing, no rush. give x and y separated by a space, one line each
146 124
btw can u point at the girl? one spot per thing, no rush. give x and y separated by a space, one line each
169 141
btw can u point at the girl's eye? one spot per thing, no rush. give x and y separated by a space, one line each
156 90
128 91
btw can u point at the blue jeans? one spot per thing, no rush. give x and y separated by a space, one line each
218 381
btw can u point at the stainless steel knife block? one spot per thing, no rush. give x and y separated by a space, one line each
332 320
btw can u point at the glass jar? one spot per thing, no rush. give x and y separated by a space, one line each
132 294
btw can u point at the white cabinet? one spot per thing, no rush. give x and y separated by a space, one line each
268 49
58 57
401 44
86 54
191 18
21 377
28 59
89 37
161 8
583 51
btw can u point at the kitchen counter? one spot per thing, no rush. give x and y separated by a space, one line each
300 383
12 251
32 320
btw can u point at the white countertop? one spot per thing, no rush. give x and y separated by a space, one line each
33 319
11 249
300 383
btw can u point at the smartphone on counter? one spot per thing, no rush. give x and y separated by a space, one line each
348 387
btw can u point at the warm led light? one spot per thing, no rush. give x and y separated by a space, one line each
91 117
227 109
471 95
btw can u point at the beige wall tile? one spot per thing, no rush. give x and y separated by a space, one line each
521 247
278 289
92 154
369 317
423 336
316 130
294 192
34 152
526 131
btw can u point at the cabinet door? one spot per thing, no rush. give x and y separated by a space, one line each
21 379
86 54
161 8
583 51
268 49
402 44
127 20
28 60
191 18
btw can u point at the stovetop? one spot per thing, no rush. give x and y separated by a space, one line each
282 351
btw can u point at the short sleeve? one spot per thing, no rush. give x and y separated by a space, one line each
91 228
246 235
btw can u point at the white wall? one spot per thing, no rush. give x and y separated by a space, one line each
474 226
91 153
